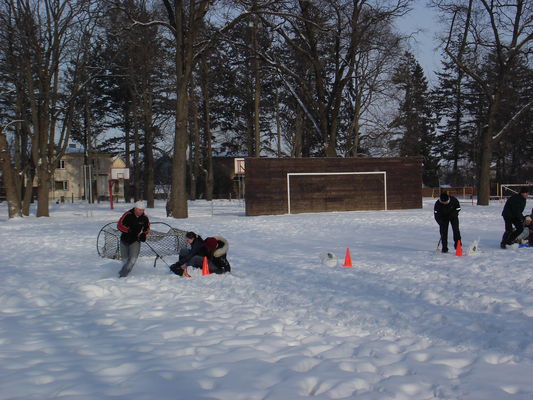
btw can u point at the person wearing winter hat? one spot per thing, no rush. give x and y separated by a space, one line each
216 250
512 216
446 211
135 226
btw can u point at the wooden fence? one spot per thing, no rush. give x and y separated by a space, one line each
298 185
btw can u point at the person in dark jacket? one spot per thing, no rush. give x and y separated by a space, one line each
446 211
134 225
216 250
196 243
512 216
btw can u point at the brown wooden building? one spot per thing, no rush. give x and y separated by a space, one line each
299 185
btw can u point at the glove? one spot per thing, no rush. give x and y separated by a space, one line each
142 237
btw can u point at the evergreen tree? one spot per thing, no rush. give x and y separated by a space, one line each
414 122
449 103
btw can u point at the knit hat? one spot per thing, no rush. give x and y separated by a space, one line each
444 198
211 243
140 205
524 189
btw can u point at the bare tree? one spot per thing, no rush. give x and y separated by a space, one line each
329 39
478 29
48 35
185 22
12 194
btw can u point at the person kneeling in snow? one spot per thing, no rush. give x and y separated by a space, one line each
196 242
215 249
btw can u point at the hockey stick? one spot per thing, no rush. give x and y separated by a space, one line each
157 255
438 246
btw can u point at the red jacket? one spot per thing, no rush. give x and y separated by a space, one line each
132 226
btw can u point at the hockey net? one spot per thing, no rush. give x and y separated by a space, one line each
509 189
164 239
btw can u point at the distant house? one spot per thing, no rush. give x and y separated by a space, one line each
73 180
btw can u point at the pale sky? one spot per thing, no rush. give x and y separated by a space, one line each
423 19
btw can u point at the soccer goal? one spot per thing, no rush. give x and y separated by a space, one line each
508 189
290 175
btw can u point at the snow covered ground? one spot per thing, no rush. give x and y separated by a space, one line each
404 322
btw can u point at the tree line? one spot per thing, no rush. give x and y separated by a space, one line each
167 85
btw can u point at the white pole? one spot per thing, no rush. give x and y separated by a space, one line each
385 186
288 193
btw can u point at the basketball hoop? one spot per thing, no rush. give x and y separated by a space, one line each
120 173
116 174
239 166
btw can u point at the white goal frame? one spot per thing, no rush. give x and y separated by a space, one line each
289 174
512 185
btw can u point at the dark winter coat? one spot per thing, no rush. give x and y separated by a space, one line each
217 258
514 207
196 247
445 212
133 228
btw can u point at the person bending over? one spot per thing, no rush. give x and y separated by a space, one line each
196 243
446 211
512 216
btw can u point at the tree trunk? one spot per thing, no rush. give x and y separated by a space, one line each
257 91
178 194
43 191
127 150
194 151
297 148
12 195
136 157
28 192
278 124
209 181
149 163
487 142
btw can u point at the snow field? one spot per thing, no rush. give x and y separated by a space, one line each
404 323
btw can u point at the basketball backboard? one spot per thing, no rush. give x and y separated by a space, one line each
120 173
239 166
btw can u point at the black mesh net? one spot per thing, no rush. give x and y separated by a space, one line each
163 239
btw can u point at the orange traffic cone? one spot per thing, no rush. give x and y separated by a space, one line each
205 267
458 249
347 259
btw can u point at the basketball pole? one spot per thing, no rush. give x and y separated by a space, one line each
111 182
